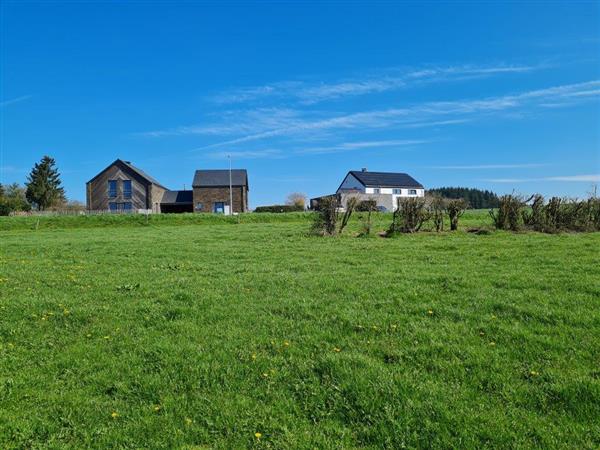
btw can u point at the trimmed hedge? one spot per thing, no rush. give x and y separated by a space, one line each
279 209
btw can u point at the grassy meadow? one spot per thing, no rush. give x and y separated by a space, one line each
210 332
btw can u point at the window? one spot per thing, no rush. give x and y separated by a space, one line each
126 188
127 206
376 191
112 206
199 206
397 191
219 207
412 192
112 188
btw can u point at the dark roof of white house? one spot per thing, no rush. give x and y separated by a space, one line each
385 179
220 178
177 197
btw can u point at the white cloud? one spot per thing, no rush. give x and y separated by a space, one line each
420 113
249 154
594 178
490 166
15 100
348 146
385 80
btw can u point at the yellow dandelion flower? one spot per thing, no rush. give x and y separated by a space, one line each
257 435
430 311
156 408
533 373
188 421
114 415
394 327
66 312
253 356
265 375
286 343
336 349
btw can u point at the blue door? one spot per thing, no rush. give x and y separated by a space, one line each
219 207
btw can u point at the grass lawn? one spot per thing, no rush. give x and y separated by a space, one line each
201 334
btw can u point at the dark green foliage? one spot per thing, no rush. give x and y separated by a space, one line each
13 199
476 198
455 208
43 185
410 215
279 209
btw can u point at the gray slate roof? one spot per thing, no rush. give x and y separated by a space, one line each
142 173
177 197
134 169
385 179
220 178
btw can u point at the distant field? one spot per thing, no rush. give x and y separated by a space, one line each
168 334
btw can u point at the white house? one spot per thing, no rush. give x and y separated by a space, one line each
383 187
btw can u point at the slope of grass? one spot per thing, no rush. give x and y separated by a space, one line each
382 220
202 336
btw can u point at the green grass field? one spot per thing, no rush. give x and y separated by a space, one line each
194 332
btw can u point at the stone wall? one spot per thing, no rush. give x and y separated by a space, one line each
207 197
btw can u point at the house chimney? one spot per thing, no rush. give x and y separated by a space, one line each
364 169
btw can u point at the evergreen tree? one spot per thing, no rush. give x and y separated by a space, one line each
43 184
476 198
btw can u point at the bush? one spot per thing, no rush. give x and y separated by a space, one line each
455 208
437 208
366 206
558 214
410 215
279 209
326 217
509 214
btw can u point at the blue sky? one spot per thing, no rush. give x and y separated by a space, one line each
499 96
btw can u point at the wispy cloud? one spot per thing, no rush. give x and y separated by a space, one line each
593 178
429 112
385 80
490 166
12 101
349 146
250 154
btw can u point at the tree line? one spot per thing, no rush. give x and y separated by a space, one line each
476 198
42 191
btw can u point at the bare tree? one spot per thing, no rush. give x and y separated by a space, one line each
297 199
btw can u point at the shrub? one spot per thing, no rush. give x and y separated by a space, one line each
366 205
278 208
410 215
326 217
455 208
437 208
509 214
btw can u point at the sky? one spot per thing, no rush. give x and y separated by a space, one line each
493 95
